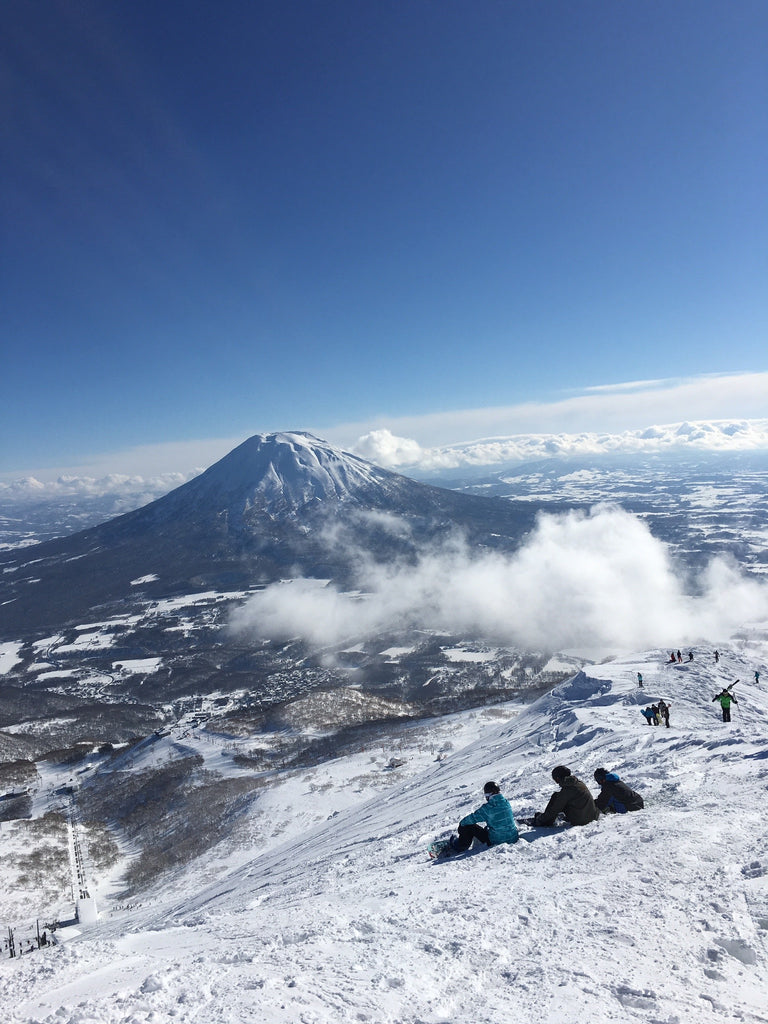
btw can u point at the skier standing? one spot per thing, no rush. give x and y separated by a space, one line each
664 712
725 697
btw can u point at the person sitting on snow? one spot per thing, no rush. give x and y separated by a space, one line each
574 801
615 796
497 813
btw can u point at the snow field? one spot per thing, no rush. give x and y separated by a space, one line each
659 916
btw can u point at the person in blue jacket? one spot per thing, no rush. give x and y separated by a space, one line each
497 813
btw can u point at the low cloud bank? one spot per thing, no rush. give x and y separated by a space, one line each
625 407
116 485
597 580
390 451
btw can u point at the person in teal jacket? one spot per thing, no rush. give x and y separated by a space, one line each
500 827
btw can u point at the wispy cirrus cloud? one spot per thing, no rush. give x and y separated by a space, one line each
600 408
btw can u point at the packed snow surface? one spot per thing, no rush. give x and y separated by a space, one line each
9 656
333 912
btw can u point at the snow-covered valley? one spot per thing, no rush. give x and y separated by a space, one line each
322 904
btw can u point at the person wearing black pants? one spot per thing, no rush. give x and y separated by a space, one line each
467 833
501 827
725 697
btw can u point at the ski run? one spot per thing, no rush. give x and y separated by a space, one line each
322 906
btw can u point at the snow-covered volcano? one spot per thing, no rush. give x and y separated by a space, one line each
290 475
265 510
281 473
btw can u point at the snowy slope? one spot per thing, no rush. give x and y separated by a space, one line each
659 916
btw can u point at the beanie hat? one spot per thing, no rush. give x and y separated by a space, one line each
560 773
491 787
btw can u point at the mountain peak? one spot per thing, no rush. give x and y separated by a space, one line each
280 473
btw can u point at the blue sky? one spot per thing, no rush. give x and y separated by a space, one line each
219 219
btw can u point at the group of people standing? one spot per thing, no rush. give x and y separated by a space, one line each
493 823
657 713
679 656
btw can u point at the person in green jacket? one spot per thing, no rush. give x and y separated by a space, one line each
725 697
497 813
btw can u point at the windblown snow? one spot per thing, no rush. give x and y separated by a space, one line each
331 910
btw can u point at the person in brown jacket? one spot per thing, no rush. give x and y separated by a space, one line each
574 801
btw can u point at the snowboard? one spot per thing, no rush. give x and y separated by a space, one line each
440 848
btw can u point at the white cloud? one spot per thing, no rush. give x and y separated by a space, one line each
580 581
384 449
708 436
135 489
605 417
